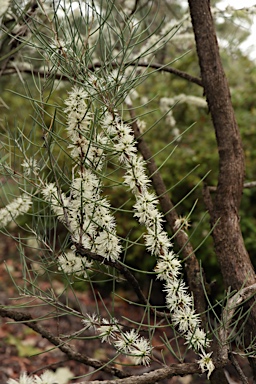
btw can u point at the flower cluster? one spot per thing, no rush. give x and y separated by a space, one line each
206 364
87 214
69 263
17 207
30 167
85 211
47 377
168 268
129 343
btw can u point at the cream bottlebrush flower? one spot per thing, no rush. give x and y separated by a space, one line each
79 117
145 209
20 205
70 263
168 267
156 239
24 379
174 286
157 243
107 245
125 340
178 300
197 339
86 187
135 176
90 219
57 200
141 351
30 167
206 364
102 216
93 154
181 222
107 330
185 319
126 144
47 377
92 321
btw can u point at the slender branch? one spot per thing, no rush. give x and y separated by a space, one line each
154 376
238 369
227 315
14 38
136 4
30 322
58 76
125 272
119 267
249 185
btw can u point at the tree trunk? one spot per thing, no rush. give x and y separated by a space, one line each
233 258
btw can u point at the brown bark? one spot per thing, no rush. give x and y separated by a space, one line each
233 258
234 261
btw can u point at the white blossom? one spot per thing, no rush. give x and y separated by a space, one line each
125 340
157 243
57 199
107 244
168 267
79 117
141 351
181 222
30 167
206 364
135 176
47 377
91 321
197 339
107 330
70 263
180 300
17 207
24 379
185 319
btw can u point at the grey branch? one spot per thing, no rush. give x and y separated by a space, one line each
29 321
248 185
154 376
11 69
227 315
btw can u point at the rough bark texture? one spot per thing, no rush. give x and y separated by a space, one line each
233 258
234 261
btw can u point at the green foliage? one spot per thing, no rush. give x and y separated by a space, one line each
195 149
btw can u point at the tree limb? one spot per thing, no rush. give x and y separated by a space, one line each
233 258
58 76
30 322
154 376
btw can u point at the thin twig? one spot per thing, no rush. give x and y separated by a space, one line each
58 76
238 369
29 321
154 376
248 185
227 315
125 272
